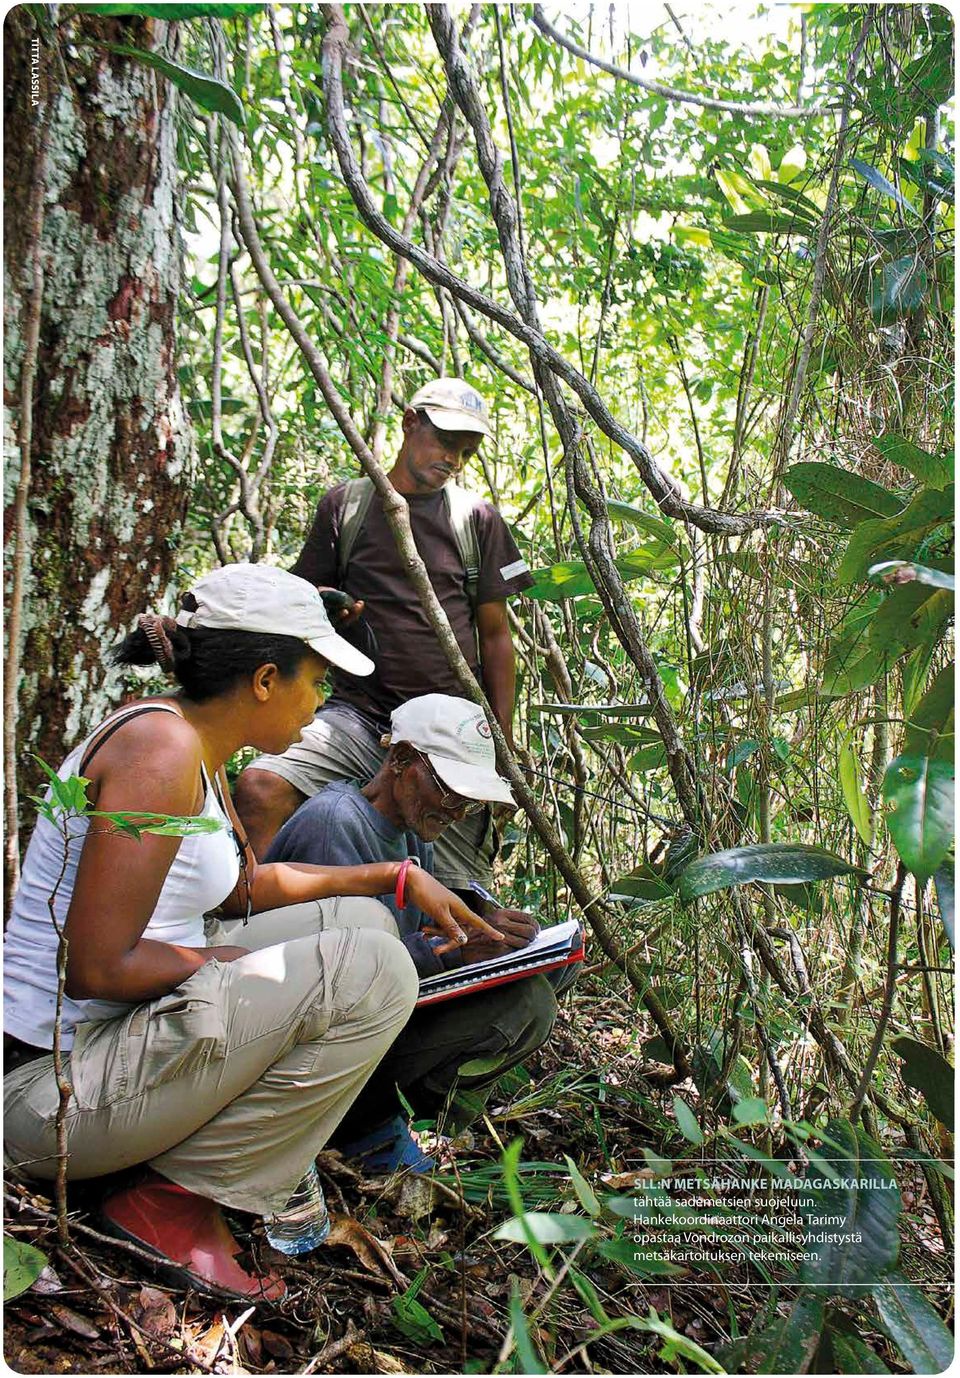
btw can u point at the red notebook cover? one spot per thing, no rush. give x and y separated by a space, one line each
470 985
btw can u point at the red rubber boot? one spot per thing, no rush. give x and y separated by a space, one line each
189 1233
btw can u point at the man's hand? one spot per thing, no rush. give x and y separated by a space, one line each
342 610
450 917
515 930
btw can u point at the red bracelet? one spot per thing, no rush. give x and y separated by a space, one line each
398 894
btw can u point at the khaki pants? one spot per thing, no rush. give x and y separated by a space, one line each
230 1084
338 745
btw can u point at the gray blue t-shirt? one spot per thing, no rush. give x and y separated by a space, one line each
340 827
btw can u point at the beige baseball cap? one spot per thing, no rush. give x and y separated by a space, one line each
259 598
453 405
455 737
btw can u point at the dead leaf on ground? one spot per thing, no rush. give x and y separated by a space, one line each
373 1253
277 1345
155 1311
74 1322
620 1181
370 1360
47 1282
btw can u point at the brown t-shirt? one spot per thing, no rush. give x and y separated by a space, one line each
408 656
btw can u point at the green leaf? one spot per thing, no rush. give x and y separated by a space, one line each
920 793
838 495
853 795
933 471
635 516
900 289
897 536
751 1110
851 1353
644 883
929 730
914 1326
910 615
908 572
879 182
414 1321
546 1227
849 1181
775 863
570 579
928 1071
628 1255
585 1192
786 1346
530 1361
943 881
207 92
687 1121
22 1265
769 222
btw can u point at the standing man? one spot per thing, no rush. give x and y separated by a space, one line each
474 566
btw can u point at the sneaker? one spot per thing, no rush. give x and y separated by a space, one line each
190 1237
388 1148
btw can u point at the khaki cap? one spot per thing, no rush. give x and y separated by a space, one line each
453 405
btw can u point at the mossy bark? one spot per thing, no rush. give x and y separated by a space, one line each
111 458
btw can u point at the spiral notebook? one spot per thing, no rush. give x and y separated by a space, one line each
553 947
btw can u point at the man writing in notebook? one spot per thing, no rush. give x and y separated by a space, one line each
440 765
474 566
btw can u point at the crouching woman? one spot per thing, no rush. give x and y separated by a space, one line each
225 1068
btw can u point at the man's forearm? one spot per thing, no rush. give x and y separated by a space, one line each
499 674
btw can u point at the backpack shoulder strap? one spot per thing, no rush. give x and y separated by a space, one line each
461 506
357 496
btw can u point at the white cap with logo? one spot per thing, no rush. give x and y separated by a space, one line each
453 405
455 737
259 598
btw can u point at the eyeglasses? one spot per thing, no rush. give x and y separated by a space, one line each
453 803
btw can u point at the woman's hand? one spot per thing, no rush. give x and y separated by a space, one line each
515 930
449 916
225 953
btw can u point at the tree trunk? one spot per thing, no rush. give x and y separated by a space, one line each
111 454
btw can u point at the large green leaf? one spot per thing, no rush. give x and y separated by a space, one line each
849 1202
933 471
849 1351
920 793
643 884
570 579
210 94
914 1326
776 863
900 289
786 1346
22 1265
687 1121
909 615
635 516
878 181
770 222
895 537
853 795
944 884
838 495
928 1071
546 1228
929 730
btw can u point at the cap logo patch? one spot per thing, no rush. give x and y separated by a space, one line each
484 728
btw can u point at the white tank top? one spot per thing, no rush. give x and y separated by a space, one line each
204 871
